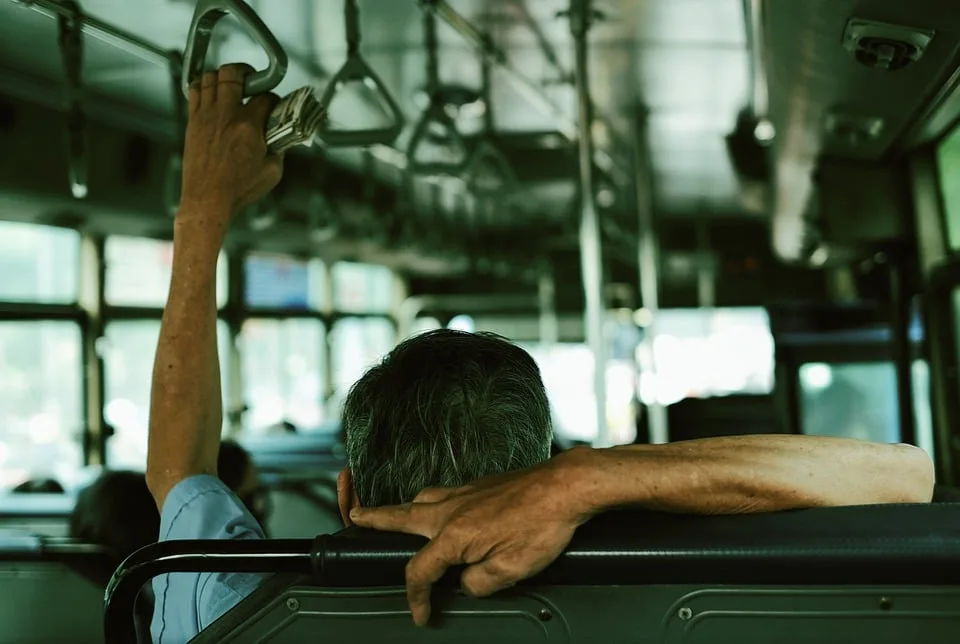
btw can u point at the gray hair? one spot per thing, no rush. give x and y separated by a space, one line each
443 409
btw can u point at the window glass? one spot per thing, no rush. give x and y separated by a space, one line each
567 373
138 272
41 402
851 400
356 344
128 350
281 282
949 166
362 288
38 263
422 325
283 373
700 353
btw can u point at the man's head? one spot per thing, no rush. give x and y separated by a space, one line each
442 409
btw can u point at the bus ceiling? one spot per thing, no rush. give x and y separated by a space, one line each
788 113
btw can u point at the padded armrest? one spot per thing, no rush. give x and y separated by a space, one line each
865 544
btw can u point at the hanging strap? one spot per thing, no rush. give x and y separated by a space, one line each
435 119
205 17
356 70
487 173
71 51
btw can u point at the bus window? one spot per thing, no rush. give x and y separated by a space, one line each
282 282
355 345
362 288
856 400
138 272
283 373
129 349
948 154
41 410
38 263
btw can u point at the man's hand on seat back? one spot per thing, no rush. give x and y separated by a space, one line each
503 529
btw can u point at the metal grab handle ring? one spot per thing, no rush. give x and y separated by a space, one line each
487 153
438 115
355 70
205 18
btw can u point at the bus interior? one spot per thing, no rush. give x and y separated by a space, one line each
700 217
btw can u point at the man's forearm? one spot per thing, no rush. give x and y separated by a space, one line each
745 474
186 411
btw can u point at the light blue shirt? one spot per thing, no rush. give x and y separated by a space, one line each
200 507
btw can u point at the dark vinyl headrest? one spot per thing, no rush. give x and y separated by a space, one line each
862 544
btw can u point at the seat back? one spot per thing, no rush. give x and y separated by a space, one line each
873 573
48 591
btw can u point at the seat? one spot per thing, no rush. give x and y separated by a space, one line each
861 574
47 590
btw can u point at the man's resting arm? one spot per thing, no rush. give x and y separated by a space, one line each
510 527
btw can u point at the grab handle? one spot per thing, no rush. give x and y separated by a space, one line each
205 18
486 155
436 116
356 70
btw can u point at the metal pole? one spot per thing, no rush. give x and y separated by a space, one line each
102 31
902 359
549 325
706 279
591 251
648 264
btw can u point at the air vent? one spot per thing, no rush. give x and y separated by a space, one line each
884 46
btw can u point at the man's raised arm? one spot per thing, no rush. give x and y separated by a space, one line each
510 527
226 167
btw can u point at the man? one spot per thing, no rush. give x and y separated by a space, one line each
442 410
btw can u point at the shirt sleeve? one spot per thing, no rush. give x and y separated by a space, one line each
200 507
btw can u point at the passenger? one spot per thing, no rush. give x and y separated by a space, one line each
117 512
465 411
39 486
238 472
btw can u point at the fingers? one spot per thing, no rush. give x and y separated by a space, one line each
411 518
208 90
260 107
230 83
423 570
193 97
435 494
485 578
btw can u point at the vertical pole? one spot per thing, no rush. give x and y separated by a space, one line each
92 277
706 279
648 263
902 359
591 251
549 325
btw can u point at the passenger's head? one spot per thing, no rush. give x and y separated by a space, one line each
116 511
238 472
442 409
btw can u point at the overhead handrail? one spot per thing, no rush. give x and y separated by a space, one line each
355 70
435 121
175 168
71 50
487 161
298 118
205 17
